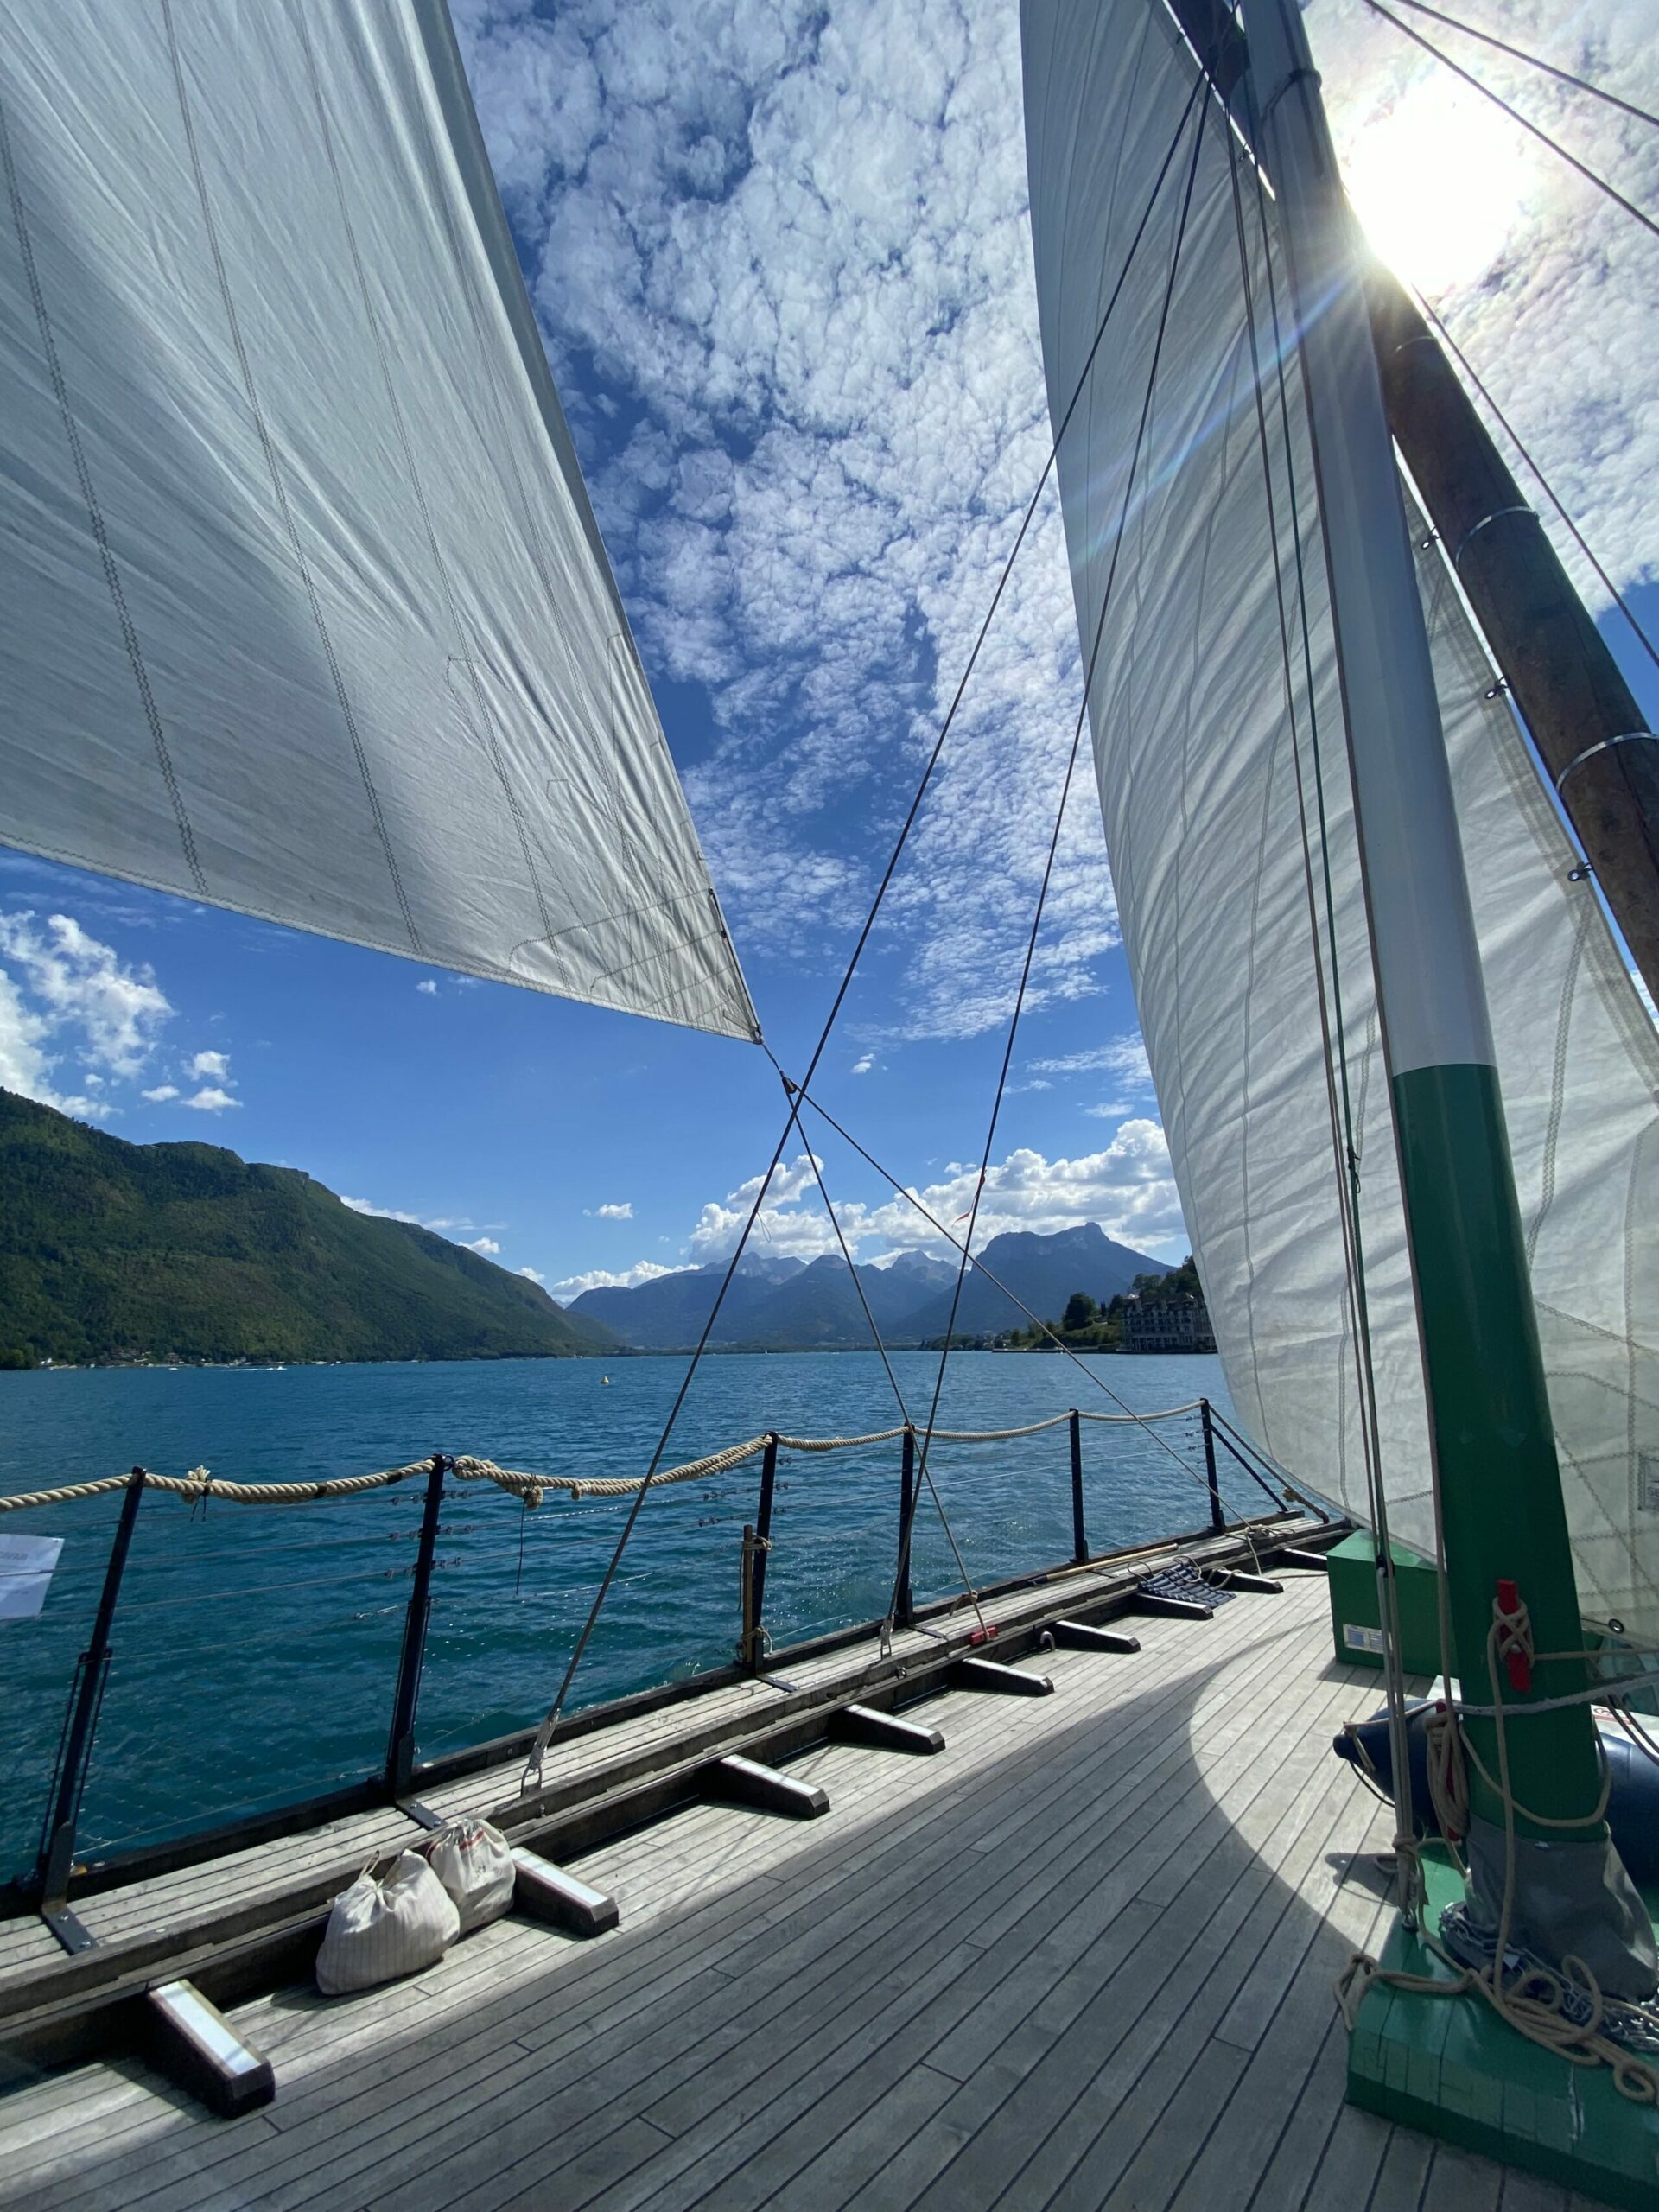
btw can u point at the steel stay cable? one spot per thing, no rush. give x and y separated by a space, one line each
1533 61
869 1318
1128 1414
1054 844
544 1734
1515 115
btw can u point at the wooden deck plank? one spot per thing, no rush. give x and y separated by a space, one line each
1083 1954
858 1947
428 1980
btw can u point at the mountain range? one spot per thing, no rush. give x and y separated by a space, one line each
791 1304
112 1251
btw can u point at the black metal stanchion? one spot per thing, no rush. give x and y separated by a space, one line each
904 1612
58 1839
1080 1537
1217 1515
400 1745
757 1549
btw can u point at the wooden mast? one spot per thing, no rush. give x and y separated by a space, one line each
1589 734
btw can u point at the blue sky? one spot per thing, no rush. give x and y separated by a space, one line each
781 261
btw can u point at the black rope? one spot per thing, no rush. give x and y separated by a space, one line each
545 1732
1515 115
1549 489
1532 60
1054 849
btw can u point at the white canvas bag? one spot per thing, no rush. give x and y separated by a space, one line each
379 1930
474 1862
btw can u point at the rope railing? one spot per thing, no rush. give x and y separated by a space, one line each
199 1484
839 1554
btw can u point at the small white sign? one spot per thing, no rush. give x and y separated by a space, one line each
26 1565
1362 1639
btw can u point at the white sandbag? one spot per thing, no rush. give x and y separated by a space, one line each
380 1930
474 1862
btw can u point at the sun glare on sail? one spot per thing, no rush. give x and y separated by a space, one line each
1437 183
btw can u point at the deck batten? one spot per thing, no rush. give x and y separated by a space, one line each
1081 1955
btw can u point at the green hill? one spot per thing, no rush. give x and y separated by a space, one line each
110 1251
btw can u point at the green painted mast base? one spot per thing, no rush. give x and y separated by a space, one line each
1450 2066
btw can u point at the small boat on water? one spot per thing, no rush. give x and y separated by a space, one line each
312 620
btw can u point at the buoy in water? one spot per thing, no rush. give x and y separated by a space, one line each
604 1378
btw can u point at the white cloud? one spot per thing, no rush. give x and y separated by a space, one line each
1550 289
161 1093
624 1212
532 1274
863 1063
211 1100
1128 1188
794 239
790 237
1123 1056
63 994
486 1247
214 1067
427 988
609 1279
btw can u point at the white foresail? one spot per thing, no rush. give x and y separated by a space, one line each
1205 736
305 611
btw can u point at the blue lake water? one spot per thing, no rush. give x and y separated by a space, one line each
256 1647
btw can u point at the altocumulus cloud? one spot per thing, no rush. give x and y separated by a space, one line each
791 238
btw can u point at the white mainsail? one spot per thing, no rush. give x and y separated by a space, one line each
307 612
1204 716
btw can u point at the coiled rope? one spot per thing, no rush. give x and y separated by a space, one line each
1535 2001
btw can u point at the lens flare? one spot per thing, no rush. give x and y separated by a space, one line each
1438 183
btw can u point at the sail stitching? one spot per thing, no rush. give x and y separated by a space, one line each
95 513
1054 842
492 736
279 486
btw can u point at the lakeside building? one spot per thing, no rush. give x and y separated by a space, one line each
1180 1323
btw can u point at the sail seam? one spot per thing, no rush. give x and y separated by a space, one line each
95 513
278 486
466 656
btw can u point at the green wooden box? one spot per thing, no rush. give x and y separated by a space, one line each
1355 1621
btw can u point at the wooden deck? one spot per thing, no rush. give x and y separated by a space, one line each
1082 1958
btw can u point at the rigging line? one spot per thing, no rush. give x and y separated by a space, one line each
1533 61
533 1763
1550 491
1053 845
1411 1895
869 1318
1338 1094
933 1222
1515 115
543 1734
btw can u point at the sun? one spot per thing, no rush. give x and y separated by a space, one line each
1438 183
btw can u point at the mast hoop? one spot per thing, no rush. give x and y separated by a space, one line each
1603 745
1475 528
1296 77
